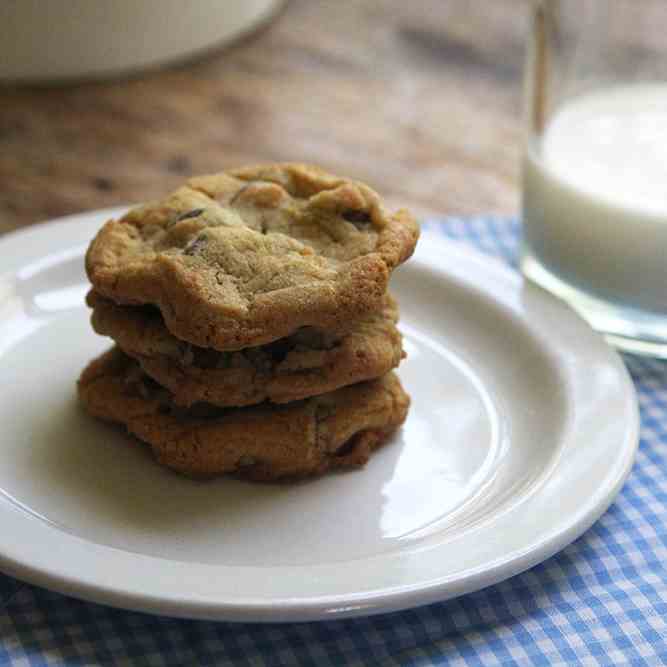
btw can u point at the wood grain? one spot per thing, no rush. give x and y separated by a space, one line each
421 100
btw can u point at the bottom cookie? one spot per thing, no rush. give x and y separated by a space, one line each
263 442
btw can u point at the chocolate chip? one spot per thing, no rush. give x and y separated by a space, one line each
347 447
279 349
194 213
195 245
360 219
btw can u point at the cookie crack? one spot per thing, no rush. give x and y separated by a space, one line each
290 186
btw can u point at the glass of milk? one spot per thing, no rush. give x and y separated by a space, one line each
595 164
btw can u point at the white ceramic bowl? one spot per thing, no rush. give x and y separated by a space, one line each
47 40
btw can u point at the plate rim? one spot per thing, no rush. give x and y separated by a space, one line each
494 273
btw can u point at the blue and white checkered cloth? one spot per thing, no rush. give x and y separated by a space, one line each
601 601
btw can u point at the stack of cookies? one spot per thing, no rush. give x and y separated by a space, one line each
253 329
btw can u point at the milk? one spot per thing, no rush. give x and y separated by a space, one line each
595 198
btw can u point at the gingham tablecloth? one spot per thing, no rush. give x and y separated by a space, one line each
601 601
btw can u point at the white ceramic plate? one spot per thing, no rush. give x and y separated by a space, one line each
522 430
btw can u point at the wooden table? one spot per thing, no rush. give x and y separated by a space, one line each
420 99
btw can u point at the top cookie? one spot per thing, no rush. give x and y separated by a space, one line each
248 256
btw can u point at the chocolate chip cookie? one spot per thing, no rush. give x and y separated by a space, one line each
307 363
263 442
251 255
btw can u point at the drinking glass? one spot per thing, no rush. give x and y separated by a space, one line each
595 164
